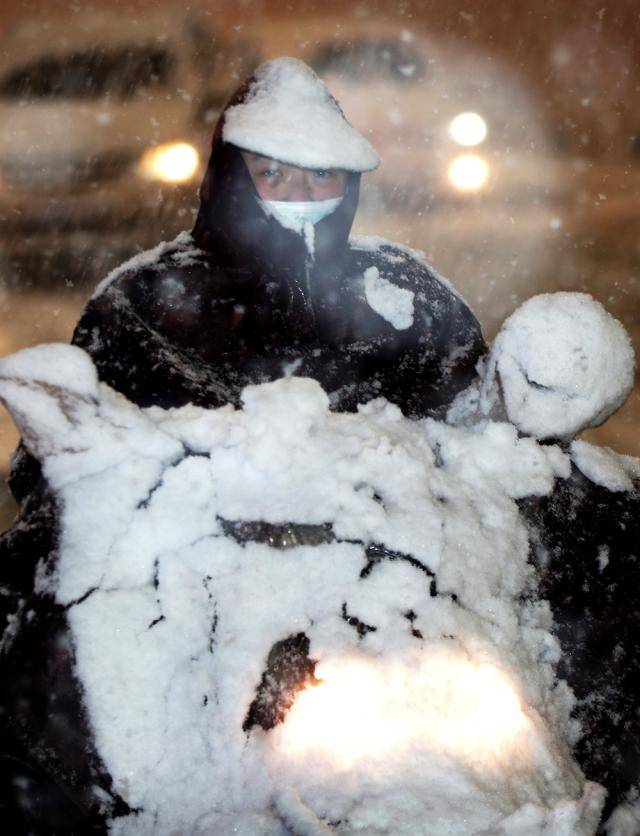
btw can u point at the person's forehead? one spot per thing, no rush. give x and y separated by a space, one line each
261 159
257 157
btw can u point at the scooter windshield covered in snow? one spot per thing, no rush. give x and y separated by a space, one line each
283 620
258 585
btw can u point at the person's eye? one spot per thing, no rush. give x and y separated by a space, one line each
324 174
271 173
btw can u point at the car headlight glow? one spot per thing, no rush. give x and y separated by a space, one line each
468 173
468 129
173 162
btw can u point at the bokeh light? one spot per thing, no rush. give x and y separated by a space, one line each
174 162
468 173
468 129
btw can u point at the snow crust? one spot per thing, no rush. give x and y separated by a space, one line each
563 364
289 115
393 303
603 466
443 718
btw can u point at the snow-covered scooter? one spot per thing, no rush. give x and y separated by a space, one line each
282 620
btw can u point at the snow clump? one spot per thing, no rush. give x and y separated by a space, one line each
563 364
393 303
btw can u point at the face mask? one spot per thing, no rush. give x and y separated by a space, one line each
294 214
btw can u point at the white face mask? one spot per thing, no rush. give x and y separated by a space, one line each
294 214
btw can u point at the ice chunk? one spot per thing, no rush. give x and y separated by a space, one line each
290 115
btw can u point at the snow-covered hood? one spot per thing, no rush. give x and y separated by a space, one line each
288 114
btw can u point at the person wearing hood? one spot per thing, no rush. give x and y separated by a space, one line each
268 284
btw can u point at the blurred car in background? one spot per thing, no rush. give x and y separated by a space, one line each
104 129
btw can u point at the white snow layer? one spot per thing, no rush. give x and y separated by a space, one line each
563 364
602 466
393 303
289 115
443 720
625 819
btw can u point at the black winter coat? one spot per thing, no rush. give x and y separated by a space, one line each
245 300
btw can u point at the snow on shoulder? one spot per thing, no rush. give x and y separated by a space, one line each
395 253
181 246
288 114
563 363
393 303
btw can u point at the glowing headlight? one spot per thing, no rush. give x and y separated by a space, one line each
468 129
174 162
468 173
361 712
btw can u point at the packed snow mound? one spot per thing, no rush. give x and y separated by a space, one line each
387 556
563 364
289 115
